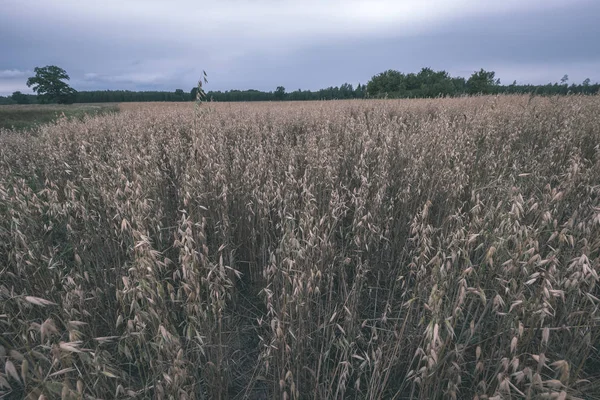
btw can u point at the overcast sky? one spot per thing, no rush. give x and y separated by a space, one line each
308 44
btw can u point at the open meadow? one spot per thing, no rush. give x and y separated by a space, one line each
366 249
23 117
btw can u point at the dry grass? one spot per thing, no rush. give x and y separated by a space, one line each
366 249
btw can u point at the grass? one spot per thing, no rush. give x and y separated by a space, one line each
22 117
423 249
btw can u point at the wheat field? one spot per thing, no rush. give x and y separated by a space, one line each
422 249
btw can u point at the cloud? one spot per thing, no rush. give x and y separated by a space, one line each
152 73
134 77
13 73
273 20
9 87
12 80
235 28
159 45
541 73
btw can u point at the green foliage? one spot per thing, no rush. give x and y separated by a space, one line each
20 98
389 81
430 83
126 96
345 91
25 98
6 100
29 116
425 83
48 84
280 93
482 82
180 95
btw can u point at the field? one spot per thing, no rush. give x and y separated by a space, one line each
22 117
425 249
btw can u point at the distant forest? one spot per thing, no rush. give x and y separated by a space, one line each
388 84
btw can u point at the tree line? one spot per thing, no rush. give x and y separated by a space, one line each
345 91
430 83
50 87
102 96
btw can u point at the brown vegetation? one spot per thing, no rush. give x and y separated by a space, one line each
419 249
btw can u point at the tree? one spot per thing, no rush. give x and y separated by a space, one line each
346 91
387 82
564 79
49 86
179 94
458 84
20 98
482 82
359 92
425 83
280 93
586 82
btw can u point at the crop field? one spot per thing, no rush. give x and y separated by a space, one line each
366 249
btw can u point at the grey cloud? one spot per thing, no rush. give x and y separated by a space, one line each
125 45
12 80
13 73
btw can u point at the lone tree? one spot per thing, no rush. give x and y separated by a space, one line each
49 86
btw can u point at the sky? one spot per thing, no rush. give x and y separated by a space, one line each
309 44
